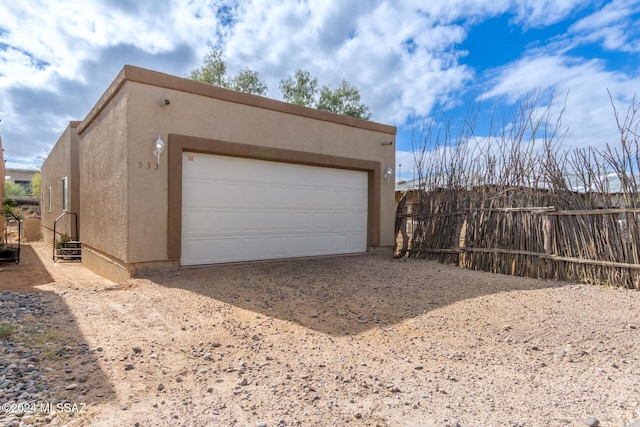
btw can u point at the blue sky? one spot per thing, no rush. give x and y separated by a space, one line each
412 60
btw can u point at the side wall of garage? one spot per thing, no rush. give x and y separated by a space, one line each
61 166
104 188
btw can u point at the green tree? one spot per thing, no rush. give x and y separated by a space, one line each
345 100
248 81
11 189
213 70
8 204
301 89
36 184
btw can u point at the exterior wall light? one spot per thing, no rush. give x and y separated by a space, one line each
158 147
387 173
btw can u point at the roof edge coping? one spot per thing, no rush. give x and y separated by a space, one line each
155 78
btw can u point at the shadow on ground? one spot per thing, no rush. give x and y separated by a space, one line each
343 295
26 275
47 327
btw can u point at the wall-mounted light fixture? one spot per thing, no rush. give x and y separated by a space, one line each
158 147
386 143
387 173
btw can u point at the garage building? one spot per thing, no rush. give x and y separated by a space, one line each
166 172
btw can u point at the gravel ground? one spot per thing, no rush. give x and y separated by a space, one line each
363 341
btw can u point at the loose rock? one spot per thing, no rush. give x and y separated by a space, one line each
593 422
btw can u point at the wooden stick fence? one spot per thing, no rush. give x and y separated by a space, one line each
473 230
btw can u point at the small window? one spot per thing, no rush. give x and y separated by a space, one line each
65 194
49 199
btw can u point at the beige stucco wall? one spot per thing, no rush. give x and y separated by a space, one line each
189 114
61 162
104 189
124 195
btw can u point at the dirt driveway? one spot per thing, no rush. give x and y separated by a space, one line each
364 341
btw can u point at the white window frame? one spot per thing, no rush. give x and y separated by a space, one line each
65 194
49 199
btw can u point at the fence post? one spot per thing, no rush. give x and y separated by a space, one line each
461 232
401 225
547 233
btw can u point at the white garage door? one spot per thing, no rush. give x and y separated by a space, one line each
236 209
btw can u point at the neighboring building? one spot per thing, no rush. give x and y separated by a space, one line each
238 177
22 177
410 185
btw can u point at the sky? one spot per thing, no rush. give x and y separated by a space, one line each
413 61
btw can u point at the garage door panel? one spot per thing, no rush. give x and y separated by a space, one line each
343 223
197 250
197 221
252 246
322 222
299 244
253 221
354 223
298 221
227 194
197 192
352 197
238 209
343 242
232 249
280 196
227 222
320 242
279 222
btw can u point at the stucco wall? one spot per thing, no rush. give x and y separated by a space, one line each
61 162
104 192
201 116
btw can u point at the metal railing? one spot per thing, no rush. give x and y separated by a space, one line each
71 249
8 252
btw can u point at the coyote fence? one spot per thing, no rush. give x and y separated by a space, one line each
525 232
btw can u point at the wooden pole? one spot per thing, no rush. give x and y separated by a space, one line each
547 236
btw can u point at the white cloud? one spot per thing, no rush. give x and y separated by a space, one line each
57 37
541 13
614 26
589 114
615 13
405 168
